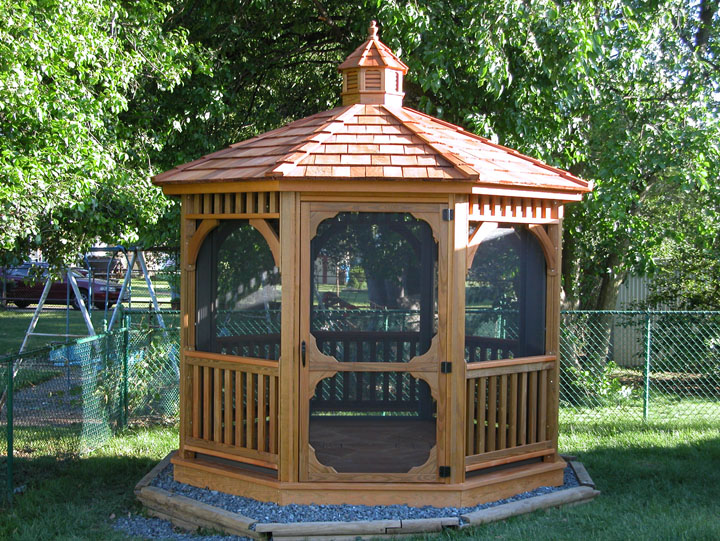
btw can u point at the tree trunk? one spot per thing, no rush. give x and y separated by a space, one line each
610 282
598 347
570 270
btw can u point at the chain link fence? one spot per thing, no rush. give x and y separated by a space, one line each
656 365
66 400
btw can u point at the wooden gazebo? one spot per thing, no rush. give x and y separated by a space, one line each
370 307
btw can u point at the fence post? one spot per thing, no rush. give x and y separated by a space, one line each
646 388
126 348
9 410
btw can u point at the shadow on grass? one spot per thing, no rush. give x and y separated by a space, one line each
73 496
658 481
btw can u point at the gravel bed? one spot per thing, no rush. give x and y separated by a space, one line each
271 512
155 528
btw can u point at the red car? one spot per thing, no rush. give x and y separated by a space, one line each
24 285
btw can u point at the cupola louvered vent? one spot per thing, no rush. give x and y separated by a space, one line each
352 81
372 80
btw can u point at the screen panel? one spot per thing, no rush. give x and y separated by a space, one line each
505 290
238 293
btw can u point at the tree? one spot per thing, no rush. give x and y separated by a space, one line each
74 165
688 259
622 93
269 63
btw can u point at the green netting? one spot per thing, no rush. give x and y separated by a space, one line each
69 399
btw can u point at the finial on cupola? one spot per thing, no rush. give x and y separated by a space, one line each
373 30
372 73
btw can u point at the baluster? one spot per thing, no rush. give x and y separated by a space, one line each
249 411
492 413
273 414
197 401
261 412
217 405
228 408
387 357
346 375
470 416
542 421
482 415
532 408
239 410
373 375
332 383
522 406
512 413
207 403
502 413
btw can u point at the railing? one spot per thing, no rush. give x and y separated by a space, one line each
259 346
391 392
369 346
482 348
507 411
234 408
387 392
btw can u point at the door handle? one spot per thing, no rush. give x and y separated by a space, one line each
303 352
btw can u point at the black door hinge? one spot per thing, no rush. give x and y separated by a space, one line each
444 471
448 214
445 367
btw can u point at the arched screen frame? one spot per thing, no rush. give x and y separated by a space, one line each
539 232
202 252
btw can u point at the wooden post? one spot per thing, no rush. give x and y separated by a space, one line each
187 318
552 345
457 259
288 421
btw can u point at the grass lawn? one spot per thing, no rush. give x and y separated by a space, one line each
14 324
657 482
74 499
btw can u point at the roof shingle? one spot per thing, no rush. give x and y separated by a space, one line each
373 141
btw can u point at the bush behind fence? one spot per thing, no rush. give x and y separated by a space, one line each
69 399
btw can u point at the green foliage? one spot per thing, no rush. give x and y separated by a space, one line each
96 98
593 383
245 265
73 159
153 376
688 259
357 278
386 246
621 92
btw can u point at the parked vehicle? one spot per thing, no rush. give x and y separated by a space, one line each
25 283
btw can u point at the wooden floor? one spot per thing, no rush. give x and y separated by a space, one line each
372 444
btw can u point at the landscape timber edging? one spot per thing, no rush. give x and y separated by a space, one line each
191 514
575 495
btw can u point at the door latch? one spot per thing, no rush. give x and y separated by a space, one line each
303 352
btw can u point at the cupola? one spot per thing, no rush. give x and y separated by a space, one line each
372 74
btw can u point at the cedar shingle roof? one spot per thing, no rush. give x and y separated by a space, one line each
374 142
378 140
